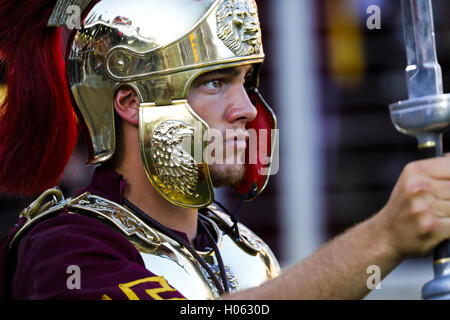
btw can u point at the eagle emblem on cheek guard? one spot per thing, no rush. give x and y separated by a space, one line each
176 168
238 26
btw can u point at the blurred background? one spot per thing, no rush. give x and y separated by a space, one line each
330 79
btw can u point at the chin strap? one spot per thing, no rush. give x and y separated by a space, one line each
234 216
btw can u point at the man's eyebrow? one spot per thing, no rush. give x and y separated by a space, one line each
233 71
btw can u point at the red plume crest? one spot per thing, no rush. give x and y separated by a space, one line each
37 121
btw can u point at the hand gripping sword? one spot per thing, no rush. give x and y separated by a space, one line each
425 114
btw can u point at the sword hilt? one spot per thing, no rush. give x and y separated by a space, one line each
439 287
426 113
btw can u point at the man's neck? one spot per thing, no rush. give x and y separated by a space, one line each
142 194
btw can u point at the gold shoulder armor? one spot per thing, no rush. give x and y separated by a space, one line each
146 239
52 201
47 204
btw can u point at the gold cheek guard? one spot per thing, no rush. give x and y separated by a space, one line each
172 140
158 48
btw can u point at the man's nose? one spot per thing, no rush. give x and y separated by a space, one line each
241 108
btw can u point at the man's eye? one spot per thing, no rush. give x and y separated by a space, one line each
213 84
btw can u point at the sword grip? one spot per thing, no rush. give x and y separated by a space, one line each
442 251
433 149
439 287
428 152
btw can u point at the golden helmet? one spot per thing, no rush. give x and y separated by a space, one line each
159 48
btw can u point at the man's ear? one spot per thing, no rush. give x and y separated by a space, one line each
126 104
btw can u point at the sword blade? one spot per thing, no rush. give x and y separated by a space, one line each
423 73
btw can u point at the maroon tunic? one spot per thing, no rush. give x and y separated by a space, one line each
58 249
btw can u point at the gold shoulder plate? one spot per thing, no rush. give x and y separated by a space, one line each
39 209
118 216
94 206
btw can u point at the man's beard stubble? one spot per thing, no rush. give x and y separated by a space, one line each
228 169
226 175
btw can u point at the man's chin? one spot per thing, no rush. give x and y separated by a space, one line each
226 175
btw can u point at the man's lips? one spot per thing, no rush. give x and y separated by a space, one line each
237 139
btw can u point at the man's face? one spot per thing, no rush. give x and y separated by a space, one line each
219 98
